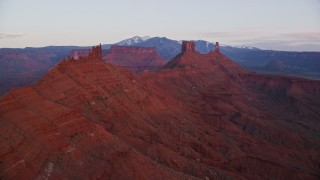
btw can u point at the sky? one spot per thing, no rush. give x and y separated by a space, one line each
290 25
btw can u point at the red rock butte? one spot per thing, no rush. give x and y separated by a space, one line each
134 58
217 47
188 46
94 53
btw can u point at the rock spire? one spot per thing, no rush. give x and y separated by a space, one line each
95 52
188 46
217 48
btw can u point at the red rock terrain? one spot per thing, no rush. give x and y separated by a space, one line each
77 53
136 59
200 116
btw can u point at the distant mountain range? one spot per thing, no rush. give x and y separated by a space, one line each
19 67
169 48
133 40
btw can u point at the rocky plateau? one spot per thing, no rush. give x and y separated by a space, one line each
199 116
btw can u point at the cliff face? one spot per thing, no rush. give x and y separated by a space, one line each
213 61
200 117
298 91
136 59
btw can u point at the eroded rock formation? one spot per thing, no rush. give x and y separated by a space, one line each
217 47
200 116
188 46
95 52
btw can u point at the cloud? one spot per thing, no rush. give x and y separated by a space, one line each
304 35
303 40
228 34
4 35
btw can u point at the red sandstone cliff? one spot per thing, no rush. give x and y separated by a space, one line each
136 59
200 116
213 61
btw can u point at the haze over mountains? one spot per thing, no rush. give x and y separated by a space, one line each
26 66
200 116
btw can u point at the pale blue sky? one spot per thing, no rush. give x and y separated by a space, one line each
267 24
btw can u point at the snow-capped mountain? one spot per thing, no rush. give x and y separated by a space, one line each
133 40
245 47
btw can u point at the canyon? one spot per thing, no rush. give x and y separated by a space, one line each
199 116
